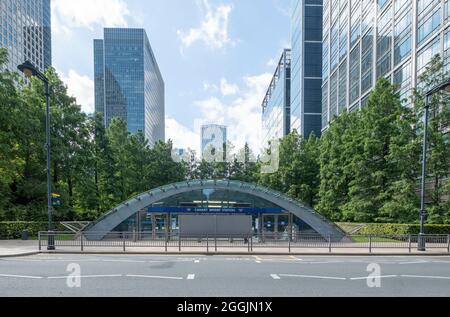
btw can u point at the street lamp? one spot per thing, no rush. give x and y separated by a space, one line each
29 70
445 86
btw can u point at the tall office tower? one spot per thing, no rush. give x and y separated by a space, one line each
25 31
213 139
366 40
276 107
128 83
306 67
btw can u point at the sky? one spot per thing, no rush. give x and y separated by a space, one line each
217 57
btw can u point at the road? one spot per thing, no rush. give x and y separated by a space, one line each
223 276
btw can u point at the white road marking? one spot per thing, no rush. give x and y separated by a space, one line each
275 277
83 276
429 277
197 261
372 277
313 276
415 262
295 258
259 262
191 277
21 276
156 277
126 261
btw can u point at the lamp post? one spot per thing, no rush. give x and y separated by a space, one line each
29 70
445 86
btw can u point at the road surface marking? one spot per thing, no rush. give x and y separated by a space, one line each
21 276
429 277
125 261
372 277
258 259
415 262
295 258
197 261
313 276
275 277
83 276
156 277
191 276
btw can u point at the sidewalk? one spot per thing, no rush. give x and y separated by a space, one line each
10 248
22 248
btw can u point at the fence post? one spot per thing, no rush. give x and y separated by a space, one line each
289 242
207 243
329 243
251 243
409 243
248 244
215 243
81 242
448 243
370 243
39 238
123 241
167 240
179 242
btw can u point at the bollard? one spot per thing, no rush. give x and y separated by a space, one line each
409 243
448 243
39 238
81 242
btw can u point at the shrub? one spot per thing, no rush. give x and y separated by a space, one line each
13 229
401 229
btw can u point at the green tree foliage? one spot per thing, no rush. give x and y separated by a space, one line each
298 174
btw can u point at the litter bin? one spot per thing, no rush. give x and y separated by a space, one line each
25 235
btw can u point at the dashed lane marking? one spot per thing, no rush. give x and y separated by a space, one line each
275 277
191 277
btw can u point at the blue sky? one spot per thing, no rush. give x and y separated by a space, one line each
216 56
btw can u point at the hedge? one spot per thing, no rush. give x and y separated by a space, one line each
13 229
401 229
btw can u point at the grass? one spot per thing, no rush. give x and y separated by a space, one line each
365 239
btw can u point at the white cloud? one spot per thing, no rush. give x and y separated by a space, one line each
242 115
182 137
82 88
67 14
228 89
213 31
271 63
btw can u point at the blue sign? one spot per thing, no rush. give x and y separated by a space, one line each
206 210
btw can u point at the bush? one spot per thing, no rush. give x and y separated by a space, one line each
401 229
13 229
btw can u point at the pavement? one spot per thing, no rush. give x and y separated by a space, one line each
9 248
70 275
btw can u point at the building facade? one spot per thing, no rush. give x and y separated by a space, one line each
276 107
213 138
306 67
25 31
369 39
128 82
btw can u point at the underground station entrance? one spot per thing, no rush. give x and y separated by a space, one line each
213 213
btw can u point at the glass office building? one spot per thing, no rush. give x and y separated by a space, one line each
306 81
276 107
213 137
25 31
128 82
364 40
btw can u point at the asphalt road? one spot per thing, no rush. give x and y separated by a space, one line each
223 276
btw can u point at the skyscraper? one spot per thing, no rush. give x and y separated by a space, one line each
128 82
306 66
25 31
276 107
213 138
366 40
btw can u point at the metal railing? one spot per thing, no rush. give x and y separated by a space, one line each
164 241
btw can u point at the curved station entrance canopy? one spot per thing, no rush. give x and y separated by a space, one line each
190 206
